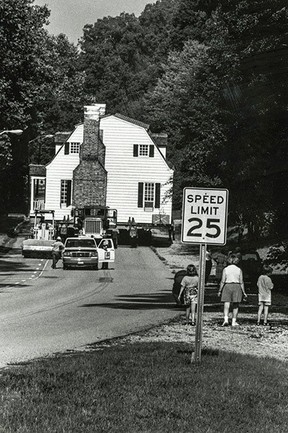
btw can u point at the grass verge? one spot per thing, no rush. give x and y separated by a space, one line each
145 387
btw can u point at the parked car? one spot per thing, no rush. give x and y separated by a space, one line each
80 253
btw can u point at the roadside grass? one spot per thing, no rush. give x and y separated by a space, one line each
145 387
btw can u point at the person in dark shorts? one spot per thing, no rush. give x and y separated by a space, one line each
58 247
231 289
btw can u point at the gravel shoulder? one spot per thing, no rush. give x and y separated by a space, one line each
259 341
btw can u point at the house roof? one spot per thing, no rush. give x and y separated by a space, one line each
37 170
61 137
160 139
130 120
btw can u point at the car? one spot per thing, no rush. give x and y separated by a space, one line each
178 277
80 252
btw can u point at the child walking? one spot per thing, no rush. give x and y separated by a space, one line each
189 284
265 286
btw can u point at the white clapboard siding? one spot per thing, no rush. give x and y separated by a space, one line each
125 170
60 168
77 134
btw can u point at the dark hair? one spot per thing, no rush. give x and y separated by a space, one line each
191 270
233 260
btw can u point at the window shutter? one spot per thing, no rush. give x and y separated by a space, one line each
140 194
157 195
69 184
135 149
66 148
151 151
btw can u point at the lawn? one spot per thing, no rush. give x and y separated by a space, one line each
145 387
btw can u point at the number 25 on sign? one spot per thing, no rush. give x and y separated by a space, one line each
204 215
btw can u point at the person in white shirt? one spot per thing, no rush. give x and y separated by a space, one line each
58 247
231 289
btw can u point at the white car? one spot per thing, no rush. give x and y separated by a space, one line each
80 252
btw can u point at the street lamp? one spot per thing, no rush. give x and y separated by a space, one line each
12 131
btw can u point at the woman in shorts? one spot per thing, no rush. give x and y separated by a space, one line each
231 289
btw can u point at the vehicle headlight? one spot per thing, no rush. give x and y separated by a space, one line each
93 254
67 254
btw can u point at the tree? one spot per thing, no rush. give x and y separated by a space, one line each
184 103
38 74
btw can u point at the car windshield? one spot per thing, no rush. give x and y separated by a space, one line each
82 243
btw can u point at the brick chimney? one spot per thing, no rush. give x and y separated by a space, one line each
90 176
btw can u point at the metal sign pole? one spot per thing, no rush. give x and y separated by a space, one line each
196 356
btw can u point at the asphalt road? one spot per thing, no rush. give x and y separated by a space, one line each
45 311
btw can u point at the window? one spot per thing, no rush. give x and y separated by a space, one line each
149 195
39 189
65 196
71 148
144 150
74 147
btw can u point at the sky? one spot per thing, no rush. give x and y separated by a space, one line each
70 16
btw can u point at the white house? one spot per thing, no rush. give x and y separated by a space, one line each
109 160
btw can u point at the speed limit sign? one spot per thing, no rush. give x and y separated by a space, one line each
204 216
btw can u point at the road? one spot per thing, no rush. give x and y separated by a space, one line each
45 311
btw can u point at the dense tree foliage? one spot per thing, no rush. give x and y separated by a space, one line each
211 73
40 87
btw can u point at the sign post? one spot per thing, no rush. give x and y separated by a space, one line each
204 221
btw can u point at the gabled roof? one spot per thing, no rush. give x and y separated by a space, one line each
159 138
130 120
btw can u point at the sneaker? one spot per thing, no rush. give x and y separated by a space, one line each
265 324
193 323
235 324
225 323
258 324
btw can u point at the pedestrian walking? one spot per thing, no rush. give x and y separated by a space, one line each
221 262
265 286
231 289
238 254
106 253
58 247
189 285
133 237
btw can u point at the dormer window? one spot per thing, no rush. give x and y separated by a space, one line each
143 150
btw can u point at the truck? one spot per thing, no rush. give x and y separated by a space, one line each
91 221
39 243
